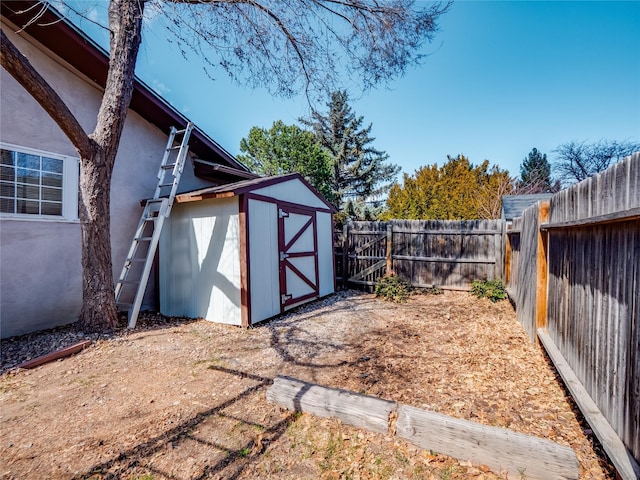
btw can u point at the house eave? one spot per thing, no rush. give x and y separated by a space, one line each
74 47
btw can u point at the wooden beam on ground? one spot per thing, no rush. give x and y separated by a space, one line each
354 409
50 357
625 464
522 456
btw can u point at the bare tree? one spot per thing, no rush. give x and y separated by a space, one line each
285 45
579 160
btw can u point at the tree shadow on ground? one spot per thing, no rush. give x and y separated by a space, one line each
233 460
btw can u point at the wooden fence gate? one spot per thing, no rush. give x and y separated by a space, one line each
446 253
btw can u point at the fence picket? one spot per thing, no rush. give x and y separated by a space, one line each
592 312
425 252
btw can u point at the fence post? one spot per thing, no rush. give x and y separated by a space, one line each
507 258
542 268
499 239
389 248
345 254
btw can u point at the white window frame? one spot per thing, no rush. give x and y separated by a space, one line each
70 185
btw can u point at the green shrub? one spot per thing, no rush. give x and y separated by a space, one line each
492 289
393 288
435 290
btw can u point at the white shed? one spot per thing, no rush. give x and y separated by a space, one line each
244 252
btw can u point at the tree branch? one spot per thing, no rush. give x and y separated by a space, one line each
21 69
125 24
290 38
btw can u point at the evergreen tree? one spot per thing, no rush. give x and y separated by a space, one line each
286 149
535 173
456 191
359 171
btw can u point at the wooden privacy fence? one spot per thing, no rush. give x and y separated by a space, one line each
445 253
573 270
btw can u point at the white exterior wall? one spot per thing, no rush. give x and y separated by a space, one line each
292 191
200 261
325 253
40 271
263 256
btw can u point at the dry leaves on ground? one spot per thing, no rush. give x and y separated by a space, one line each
187 401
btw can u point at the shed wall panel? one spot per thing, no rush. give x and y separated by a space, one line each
293 191
200 262
325 253
263 257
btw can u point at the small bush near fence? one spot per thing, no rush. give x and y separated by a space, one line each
393 288
435 290
492 289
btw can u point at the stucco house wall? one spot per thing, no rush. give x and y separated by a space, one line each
40 271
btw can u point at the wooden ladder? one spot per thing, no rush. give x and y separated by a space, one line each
134 277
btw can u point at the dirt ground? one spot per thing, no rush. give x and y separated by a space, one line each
187 400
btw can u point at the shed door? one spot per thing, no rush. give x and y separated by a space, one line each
298 245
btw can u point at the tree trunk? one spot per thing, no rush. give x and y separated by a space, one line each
98 300
97 151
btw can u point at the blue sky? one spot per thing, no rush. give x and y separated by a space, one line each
500 78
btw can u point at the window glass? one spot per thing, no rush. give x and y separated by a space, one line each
6 157
26 160
33 184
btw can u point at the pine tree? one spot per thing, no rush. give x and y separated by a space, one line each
286 149
456 191
535 173
359 170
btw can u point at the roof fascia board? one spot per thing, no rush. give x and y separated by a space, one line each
247 186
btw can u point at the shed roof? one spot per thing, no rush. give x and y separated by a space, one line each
72 45
514 205
245 186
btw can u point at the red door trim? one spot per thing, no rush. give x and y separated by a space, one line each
282 248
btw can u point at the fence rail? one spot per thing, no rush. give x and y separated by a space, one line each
573 269
425 252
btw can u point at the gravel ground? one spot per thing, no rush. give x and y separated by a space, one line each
19 349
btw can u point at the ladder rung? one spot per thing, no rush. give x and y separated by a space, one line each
151 213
